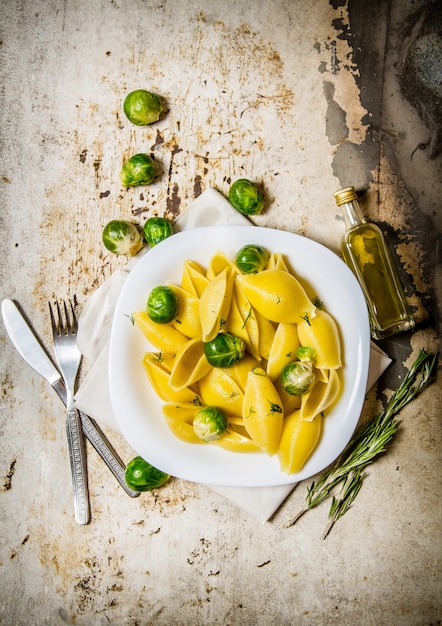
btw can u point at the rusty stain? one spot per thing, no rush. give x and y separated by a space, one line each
197 187
7 483
159 141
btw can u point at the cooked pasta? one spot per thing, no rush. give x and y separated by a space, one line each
271 313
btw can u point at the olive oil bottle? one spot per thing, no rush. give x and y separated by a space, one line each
366 253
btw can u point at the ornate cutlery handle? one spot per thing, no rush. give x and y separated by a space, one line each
77 456
105 449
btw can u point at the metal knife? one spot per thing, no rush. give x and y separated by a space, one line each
31 350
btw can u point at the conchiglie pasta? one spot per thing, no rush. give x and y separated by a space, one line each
179 418
190 365
164 337
233 441
276 262
194 279
273 315
242 322
277 295
159 375
188 319
262 411
298 441
266 334
214 304
218 263
322 334
283 349
238 324
321 397
219 389
239 371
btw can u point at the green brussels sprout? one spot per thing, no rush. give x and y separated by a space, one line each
209 423
224 350
142 107
297 377
156 229
246 197
162 305
251 259
122 237
138 170
142 476
306 353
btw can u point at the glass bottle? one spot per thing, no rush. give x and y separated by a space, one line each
366 253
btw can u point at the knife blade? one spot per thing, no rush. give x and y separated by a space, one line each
31 350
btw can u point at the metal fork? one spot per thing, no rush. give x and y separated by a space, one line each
64 331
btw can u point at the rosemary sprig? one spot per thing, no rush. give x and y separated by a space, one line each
369 441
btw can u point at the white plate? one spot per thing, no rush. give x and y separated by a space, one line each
138 409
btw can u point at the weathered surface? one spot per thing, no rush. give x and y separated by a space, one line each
303 101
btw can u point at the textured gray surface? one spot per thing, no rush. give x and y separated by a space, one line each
304 100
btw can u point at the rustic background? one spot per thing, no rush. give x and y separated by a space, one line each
303 98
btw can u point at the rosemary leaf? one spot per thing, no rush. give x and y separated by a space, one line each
368 442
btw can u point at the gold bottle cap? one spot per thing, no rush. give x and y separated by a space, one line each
347 194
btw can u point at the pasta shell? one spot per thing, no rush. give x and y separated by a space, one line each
190 365
235 442
188 318
276 262
214 304
194 279
217 264
164 337
219 389
321 332
321 397
266 333
179 418
242 322
283 349
262 411
239 371
298 440
277 295
159 375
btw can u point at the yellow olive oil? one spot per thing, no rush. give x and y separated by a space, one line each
366 253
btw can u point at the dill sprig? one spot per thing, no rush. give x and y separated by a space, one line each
369 441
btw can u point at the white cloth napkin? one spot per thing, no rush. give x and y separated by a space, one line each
93 398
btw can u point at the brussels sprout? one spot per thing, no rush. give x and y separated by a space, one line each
142 107
156 229
162 305
246 197
122 237
224 350
209 423
142 476
251 259
306 353
297 377
138 170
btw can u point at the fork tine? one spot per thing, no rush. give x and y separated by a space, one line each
53 322
72 327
